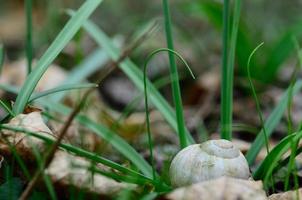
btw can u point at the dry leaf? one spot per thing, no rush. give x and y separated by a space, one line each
290 195
22 142
69 170
223 188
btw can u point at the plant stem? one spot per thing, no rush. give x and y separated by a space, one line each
175 81
226 120
228 60
29 48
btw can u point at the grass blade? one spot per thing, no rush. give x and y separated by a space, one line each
8 110
61 89
175 82
80 152
255 96
271 123
29 30
116 141
182 137
35 96
264 171
135 75
225 118
69 30
228 69
88 66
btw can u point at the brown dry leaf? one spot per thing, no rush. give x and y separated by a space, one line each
222 188
21 141
68 170
290 195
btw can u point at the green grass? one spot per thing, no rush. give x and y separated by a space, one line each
227 71
182 138
270 124
66 34
255 96
175 83
292 169
140 171
265 169
135 75
82 153
29 30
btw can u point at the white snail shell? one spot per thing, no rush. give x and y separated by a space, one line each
209 160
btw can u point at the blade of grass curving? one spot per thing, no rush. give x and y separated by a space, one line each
181 135
135 74
175 83
265 169
271 123
69 30
159 83
61 89
29 30
255 96
228 70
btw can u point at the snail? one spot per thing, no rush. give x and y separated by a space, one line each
209 160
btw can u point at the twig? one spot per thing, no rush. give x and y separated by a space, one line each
50 155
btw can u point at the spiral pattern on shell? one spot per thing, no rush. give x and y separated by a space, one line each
209 160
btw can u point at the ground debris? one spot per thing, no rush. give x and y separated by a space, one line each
221 188
65 170
290 195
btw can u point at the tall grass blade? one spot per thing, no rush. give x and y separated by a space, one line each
29 30
228 112
225 113
69 30
175 83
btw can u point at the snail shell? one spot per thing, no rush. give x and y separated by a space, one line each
209 160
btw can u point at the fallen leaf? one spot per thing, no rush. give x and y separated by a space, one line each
290 195
67 170
222 188
22 142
